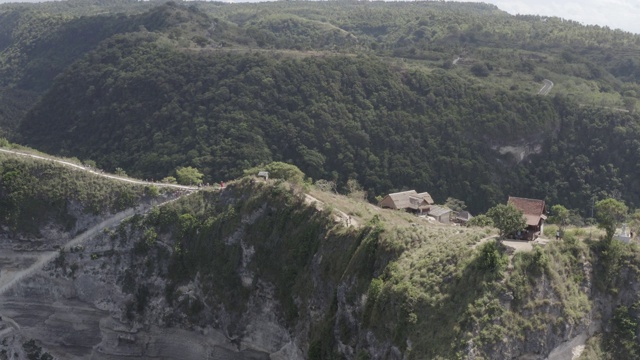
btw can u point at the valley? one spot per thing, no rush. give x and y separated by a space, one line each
117 116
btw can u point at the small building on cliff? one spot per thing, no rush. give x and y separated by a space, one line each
534 214
410 201
462 217
441 214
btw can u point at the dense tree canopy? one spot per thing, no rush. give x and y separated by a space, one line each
609 214
188 176
507 219
560 215
361 97
362 91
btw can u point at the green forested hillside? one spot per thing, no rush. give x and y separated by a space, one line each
364 91
36 46
337 117
437 32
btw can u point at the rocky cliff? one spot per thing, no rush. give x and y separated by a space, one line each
256 271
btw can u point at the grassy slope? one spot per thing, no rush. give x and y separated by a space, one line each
441 294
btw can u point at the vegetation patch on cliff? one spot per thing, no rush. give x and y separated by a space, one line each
35 192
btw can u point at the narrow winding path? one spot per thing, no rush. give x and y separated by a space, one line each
546 88
341 216
44 258
83 168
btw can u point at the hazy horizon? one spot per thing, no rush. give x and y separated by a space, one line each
616 14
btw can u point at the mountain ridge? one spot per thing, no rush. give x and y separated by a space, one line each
280 86
202 268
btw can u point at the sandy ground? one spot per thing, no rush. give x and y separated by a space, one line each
518 245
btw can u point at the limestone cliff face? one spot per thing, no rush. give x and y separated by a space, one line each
104 299
255 273
573 307
141 289
549 325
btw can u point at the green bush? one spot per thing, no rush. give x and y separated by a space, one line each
169 180
33 192
188 176
507 219
152 191
480 70
540 260
279 170
492 257
622 340
480 221
612 254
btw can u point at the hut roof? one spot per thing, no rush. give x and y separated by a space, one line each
532 209
437 211
410 200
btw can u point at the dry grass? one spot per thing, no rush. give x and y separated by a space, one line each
579 233
363 212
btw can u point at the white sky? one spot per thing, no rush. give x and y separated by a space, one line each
616 14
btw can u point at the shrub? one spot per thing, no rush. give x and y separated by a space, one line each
570 239
492 258
507 219
188 176
169 180
611 256
152 191
540 260
480 221
623 340
325 185
354 190
550 231
480 70
279 170
150 236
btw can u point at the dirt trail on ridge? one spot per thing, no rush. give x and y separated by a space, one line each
340 217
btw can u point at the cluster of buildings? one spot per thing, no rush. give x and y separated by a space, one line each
423 204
